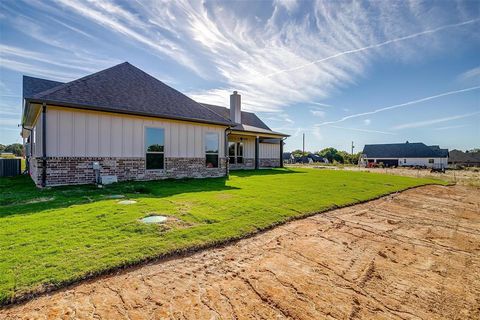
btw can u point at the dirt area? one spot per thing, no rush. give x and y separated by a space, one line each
468 177
412 255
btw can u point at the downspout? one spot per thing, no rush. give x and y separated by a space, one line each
44 144
281 152
257 157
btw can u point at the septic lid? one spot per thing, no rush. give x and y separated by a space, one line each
154 219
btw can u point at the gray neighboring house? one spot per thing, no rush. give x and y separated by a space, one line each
404 155
132 126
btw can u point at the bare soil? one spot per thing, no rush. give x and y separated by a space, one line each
412 255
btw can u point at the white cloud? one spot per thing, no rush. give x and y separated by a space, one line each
275 60
318 113
362 130
401 105
367 122
472 74
425 123
451 127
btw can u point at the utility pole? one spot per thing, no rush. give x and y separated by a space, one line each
303 149
352 148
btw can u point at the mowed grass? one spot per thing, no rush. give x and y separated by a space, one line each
52 237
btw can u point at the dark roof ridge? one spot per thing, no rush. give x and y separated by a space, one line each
68 84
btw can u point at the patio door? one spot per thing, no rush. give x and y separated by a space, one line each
235 152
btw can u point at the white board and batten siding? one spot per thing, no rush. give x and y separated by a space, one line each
423 162
78 133
269 151
265 150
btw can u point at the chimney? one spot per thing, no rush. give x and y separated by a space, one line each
235 108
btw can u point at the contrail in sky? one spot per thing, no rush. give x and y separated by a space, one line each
395 106
378 45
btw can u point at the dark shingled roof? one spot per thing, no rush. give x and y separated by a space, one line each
248 118
403 150
457 156
126 89
32 86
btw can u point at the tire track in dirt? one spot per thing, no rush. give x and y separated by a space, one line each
412 255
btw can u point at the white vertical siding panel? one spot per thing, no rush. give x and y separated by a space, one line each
93 136
269 151
79 134
104 139
116 137
127 149
52 130
183 140
65 137
38 137
191 141
172 151
199 151
137 138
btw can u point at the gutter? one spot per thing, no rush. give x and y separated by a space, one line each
44 144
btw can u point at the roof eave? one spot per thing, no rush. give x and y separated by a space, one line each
104 109
272 133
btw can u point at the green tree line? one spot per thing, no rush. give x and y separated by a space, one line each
333 155
15 148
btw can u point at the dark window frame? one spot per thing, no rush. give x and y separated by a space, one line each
154 152
210 153
234 159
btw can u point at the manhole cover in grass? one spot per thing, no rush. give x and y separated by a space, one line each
154 219
127 202
115 196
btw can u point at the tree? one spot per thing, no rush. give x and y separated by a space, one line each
331 154
15 148
2 148
297 153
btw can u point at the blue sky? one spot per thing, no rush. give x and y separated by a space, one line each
368 72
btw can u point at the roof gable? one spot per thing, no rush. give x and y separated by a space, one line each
127 89
403 150
32 85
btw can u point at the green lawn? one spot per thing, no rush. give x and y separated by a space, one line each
53 237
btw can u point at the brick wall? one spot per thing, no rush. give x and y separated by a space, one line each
248 163
76 170
272 163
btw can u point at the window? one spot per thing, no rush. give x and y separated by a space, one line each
154 148
231 152
404 160
211 150
430 160
239 152
235 152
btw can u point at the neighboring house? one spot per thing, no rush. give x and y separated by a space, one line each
404 155
134 127
467 159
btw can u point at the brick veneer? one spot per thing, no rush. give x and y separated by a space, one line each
248 163
275 162
78 170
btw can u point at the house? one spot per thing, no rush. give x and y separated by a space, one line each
123 124
404 155
467 159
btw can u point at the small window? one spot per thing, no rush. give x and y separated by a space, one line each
404 160
211 150
231 152
155 148
240 152
430 160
